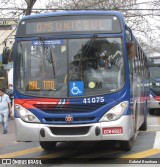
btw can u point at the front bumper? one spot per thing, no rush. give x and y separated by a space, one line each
153 104
33 132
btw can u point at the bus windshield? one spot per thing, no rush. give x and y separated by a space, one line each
154 72
155 79
46 67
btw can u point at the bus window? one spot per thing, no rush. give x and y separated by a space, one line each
44 68
130 44
102 64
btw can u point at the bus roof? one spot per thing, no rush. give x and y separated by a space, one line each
154 57
78 12
71 22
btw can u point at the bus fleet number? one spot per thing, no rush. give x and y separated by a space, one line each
93 100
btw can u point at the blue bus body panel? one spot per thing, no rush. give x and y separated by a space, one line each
72 13
92 116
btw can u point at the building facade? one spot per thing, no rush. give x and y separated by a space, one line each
7 36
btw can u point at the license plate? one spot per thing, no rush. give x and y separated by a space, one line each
114 130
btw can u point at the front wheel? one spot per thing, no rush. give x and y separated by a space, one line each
48 145
126 145
143 127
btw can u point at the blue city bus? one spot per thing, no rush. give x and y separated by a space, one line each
79 76
154 70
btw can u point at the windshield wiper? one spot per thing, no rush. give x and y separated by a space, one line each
85 52
48 54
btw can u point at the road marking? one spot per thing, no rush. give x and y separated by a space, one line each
15 142
138 155
58 154
93 155
150 131
159 120
34 150
157 137
153 125
143 154
20 153
150 152
157 141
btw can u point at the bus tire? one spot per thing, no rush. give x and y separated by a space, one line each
143 127
48 145
151 111
126 145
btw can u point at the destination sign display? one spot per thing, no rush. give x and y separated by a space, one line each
41 85
69 24
154 61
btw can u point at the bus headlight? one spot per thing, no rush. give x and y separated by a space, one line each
115 113
26 115
157 84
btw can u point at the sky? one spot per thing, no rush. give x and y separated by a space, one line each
41 3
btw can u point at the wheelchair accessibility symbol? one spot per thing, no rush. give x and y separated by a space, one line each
76 88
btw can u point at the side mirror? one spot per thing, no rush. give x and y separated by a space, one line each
5 55
131 50
130 43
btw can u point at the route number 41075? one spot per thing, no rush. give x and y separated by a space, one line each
93 100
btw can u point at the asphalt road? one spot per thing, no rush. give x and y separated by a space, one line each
7 139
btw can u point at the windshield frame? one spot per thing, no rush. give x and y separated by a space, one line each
78 37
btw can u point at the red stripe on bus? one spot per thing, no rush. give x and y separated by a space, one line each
157 98
29 103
